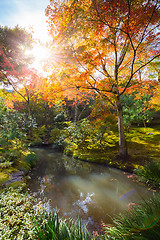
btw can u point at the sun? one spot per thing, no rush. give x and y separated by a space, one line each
35 23
41 56
40 52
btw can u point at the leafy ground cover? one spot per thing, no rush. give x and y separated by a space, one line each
18 210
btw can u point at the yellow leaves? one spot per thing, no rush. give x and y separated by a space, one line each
96 35
86 4
9 103
156 98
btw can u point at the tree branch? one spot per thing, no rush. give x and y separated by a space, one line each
133 73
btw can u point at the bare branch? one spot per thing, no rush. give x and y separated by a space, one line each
145 29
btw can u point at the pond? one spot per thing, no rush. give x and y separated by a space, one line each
89 191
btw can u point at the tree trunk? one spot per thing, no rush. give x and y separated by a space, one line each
123 152
144 123
75 113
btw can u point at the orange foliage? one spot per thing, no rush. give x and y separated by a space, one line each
101 53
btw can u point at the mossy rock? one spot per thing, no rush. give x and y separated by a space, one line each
3 177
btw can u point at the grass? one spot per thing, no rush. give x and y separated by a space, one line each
60 229
150 173
140 222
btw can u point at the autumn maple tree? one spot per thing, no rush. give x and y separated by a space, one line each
13 43
14 67
103 45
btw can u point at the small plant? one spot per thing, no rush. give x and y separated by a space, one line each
5 164
31 159
139 222
150 173
54 134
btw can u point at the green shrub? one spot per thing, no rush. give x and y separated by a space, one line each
89 136
12 154
17 213
150 173
5 164
139 222
31 159
54 134
137 109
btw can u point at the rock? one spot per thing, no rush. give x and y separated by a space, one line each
45 142
15 177
17 174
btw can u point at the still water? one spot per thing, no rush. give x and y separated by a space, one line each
91 192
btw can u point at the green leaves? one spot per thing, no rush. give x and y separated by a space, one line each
18 211
13 125
150 173
137 110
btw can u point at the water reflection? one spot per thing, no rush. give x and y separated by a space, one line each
80 189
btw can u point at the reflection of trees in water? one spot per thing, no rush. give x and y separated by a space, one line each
49 163
56 164
78 167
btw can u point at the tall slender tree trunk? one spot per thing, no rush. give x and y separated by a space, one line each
75 113
123 151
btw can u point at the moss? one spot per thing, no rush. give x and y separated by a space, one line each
22 159
17 184
3 177
143 145
102 157
35 143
